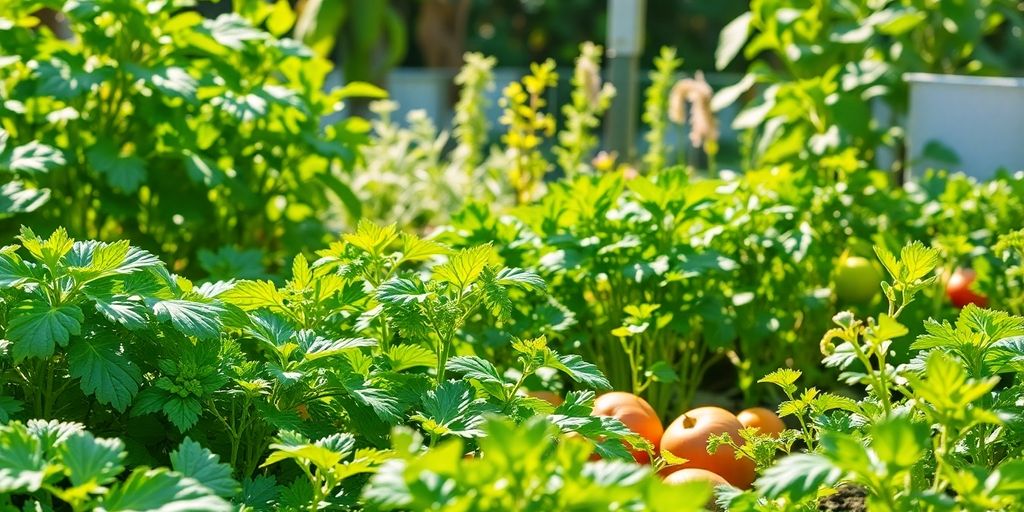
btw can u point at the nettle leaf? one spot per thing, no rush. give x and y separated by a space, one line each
448 410
899 442
32 158
132 315
784 378
464 267
404 357
198 319
798 476
202 465
23 466
259 492
123 172
182 411
415 248
316 347
383 403
372 238
13 270
9 407
482 371
16 198
402 300
35 328
579 370
161 490
250 295
99 362
89 460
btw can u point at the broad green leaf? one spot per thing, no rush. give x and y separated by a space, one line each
160 490
372 238
464 267
899 442
197 319
35 328
281 18
798 476
404 357
89 460
183 412
481 370
418 249
202 465
8 408
448 410
250 295
732 39
32 158
123 172
23 465
784 378
15 197
580 370
104 370
13 271
132 315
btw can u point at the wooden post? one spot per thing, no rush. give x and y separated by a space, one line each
625 45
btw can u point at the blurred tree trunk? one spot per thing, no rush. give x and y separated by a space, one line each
441 32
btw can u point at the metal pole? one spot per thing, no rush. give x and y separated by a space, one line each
625 45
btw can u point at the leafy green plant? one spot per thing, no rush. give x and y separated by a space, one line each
931 434
177 132
519 467
821 69
51 462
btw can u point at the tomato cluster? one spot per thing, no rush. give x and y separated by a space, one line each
687 437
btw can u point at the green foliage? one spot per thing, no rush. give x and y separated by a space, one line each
518 468
46 461
172 130
821 69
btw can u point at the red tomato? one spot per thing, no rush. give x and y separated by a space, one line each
636 414
958 289
687 437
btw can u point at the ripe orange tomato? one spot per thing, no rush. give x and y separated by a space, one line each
762 419
636 414
697 475
958 289
547 396
687 437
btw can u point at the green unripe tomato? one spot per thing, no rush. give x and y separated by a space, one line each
857 280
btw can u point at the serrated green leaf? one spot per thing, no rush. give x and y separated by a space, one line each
404 357
35 328
784 378
88 460
183 412
104 371
372 238
580 370
202 465
798 476
250 295
160 490
23 466
464 267
197 319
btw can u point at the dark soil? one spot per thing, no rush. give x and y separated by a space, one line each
847 498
